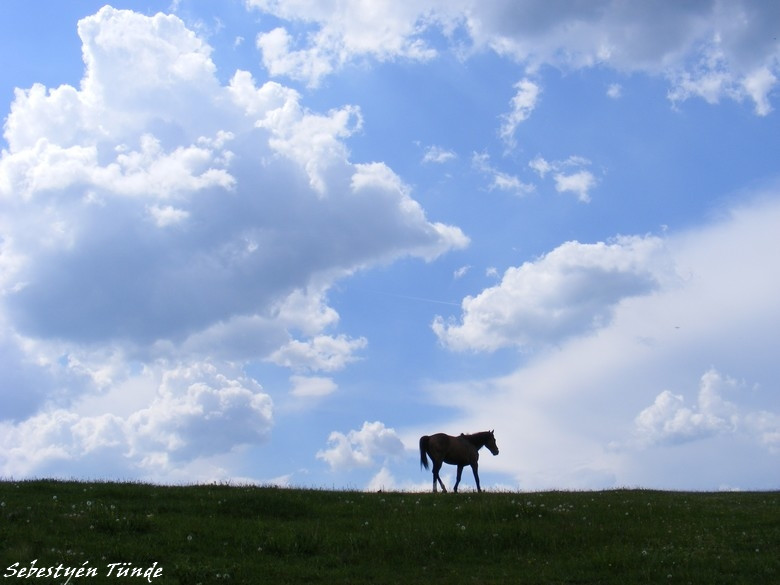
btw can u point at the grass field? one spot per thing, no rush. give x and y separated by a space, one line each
234 534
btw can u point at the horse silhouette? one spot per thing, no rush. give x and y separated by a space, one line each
461 451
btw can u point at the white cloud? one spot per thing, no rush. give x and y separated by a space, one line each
306 311
437 154
383 480
668 419
196 411
758 85
383 30
541 166
167 215
499 179
713 77
373 182
712 50
506 182
312 386
579 183
523 103
361 448
570 291
615 91
321 353
314 141
706 49
199 411
461 272
568 175
709 78
230 256
279 59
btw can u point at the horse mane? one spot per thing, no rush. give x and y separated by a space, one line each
476 439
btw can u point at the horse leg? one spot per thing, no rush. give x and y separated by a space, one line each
436 467
476 475
457 479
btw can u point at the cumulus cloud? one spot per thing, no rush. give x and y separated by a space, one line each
199 411
361 448
383 480
155 213
196 411
711 50
382 30
108 210
279 58
229 246
669 420
572 290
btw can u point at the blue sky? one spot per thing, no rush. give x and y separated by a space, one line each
276 242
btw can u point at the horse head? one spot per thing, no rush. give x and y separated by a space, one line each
491 443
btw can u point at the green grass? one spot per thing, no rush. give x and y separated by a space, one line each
233 534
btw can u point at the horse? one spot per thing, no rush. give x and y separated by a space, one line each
461 451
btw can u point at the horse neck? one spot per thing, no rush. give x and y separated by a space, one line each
477 439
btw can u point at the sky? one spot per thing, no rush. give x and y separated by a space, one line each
275 242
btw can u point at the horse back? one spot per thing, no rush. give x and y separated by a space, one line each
452 450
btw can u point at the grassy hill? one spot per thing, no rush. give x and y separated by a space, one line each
233 534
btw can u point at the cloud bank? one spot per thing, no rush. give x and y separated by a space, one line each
644 356
711 50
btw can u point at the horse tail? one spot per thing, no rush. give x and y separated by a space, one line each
423 449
